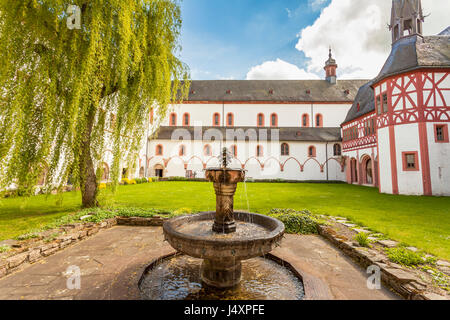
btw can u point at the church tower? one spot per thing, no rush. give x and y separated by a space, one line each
406 18
330 69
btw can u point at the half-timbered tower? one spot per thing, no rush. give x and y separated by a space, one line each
396 133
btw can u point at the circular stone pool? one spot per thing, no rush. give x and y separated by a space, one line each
179 278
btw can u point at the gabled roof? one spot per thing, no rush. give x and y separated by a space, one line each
366 100
414 52
445 32
243 133
274 90
407 54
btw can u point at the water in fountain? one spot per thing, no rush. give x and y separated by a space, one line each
179 278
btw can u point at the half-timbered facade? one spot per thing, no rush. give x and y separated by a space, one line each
409 102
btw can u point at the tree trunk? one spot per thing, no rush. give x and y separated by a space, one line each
88 177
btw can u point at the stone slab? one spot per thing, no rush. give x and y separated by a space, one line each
362 231
388 243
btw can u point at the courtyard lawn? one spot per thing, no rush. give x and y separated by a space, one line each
423 222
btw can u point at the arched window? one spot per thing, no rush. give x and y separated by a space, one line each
274 120
152 114
186 120
216 120
207 150
141 172
319 121
337 149
42 176
173 119
260 120
259 151
105 175
312 152
230 119
182 151
305 120
233 150
159 150
112 121
284 149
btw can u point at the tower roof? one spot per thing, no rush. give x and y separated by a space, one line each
403 9
330 60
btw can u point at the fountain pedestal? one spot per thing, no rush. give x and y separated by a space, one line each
221 274
225 184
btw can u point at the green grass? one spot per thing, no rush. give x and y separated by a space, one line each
423 222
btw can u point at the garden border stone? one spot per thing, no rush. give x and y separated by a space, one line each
69 235
393 275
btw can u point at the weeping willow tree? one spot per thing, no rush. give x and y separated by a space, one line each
60 86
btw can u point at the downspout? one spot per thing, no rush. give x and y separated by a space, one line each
326 155
222 142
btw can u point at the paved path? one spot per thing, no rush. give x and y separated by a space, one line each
112 261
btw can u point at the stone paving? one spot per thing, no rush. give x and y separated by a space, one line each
112 261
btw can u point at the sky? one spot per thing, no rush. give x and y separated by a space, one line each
289 39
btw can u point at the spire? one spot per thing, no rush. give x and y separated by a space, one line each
406 18
330 68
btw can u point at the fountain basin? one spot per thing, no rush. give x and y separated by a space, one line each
256 236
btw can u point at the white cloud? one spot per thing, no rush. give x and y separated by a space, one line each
358 32
279 70
316 5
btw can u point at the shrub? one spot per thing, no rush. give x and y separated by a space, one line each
406 257
126 181
182 211
28 236
178 179
4 249
296 222
141 180
363 239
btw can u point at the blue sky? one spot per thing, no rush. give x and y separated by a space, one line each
224 39
289 39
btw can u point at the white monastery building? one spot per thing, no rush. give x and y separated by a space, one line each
390 132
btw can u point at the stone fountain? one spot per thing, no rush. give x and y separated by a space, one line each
224 238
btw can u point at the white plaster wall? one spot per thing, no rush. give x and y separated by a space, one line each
407 139
333 115
439 154
385 160
245 115
247 153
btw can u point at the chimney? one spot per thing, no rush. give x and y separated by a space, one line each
330 69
